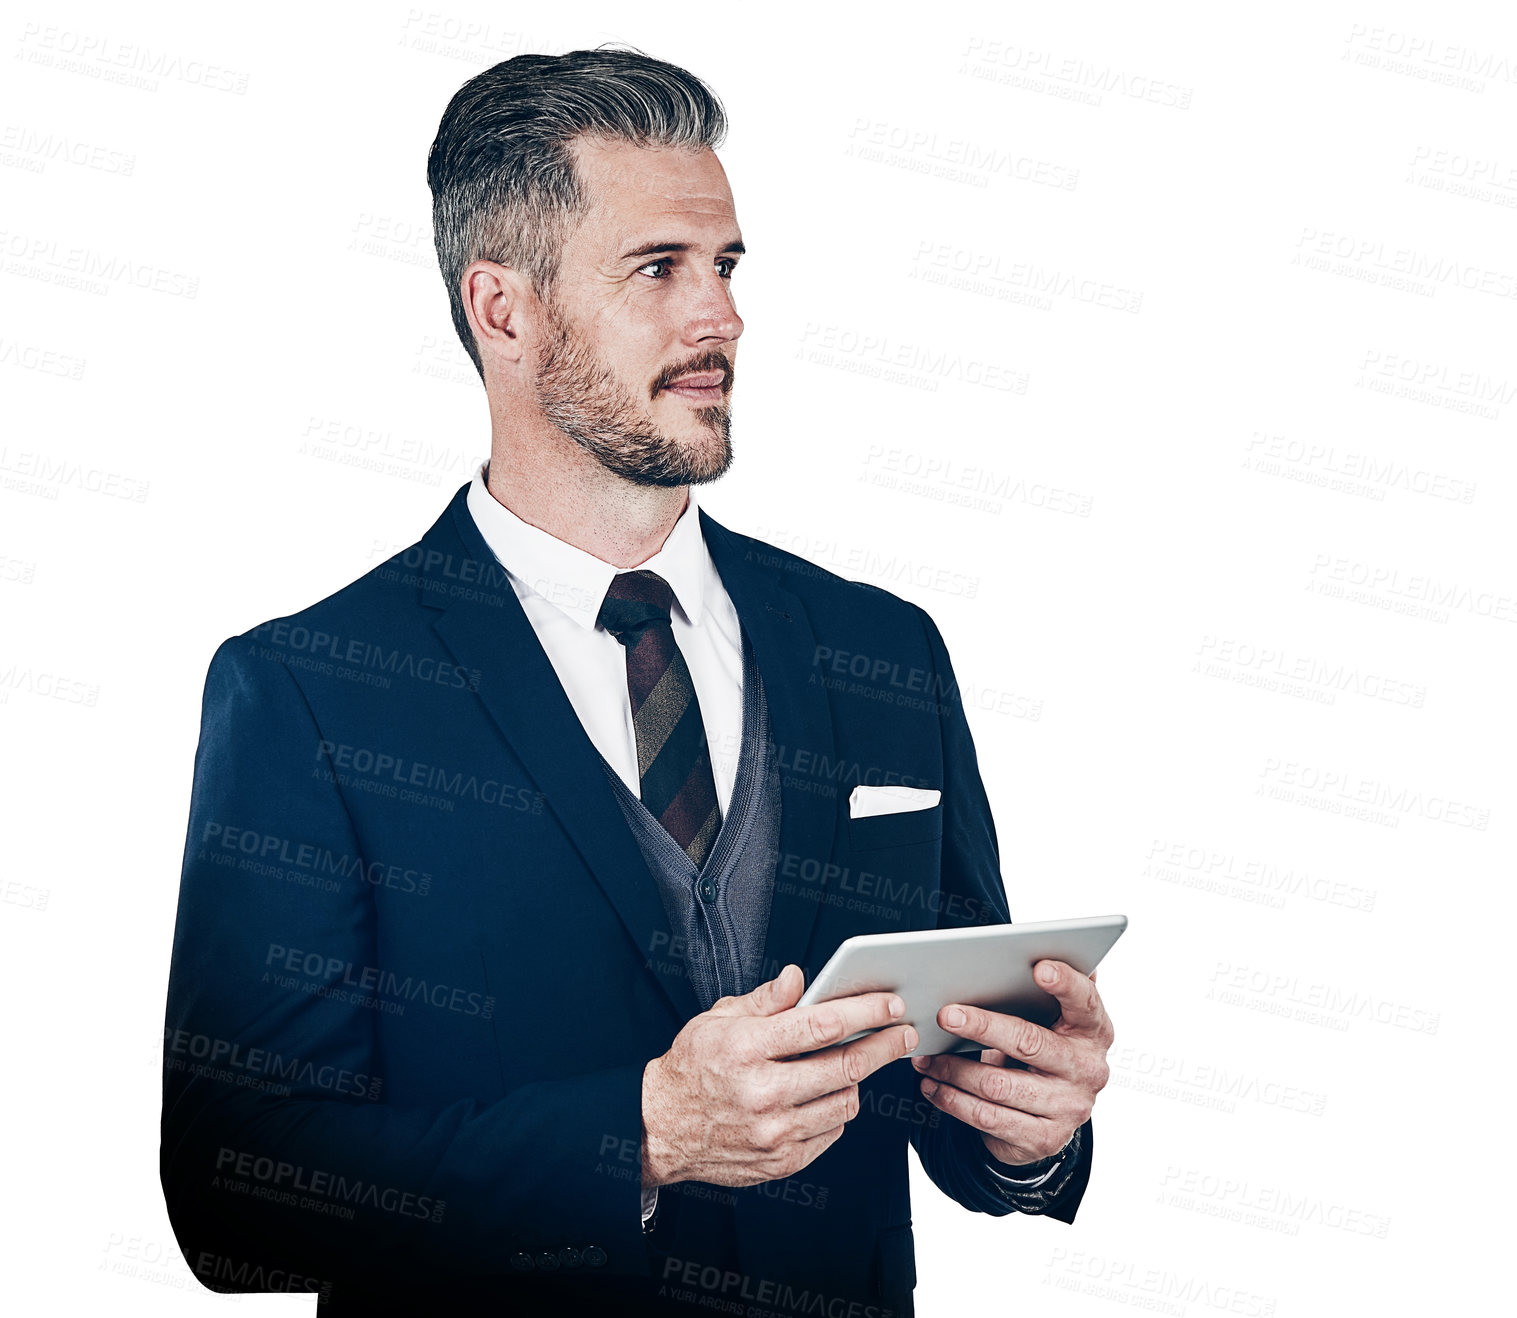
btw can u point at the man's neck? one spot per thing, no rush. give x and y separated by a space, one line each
573 498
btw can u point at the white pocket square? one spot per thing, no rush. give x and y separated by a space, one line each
891 800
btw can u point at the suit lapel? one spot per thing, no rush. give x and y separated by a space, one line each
523 695
527 702
801 725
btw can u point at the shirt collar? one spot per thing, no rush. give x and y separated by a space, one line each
575 581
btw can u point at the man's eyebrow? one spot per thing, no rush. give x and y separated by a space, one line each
652 249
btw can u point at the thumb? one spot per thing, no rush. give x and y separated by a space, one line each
774 995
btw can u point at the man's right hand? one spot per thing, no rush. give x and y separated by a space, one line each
756 1088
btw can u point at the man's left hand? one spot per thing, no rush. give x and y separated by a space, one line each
1024 1115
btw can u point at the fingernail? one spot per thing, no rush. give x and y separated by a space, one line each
953 1017
1046 973
929 1087
897 1007
911 1037
921 1063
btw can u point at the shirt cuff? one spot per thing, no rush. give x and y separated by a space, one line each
650 1206
1033 1175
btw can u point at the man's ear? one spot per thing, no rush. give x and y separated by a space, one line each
498 304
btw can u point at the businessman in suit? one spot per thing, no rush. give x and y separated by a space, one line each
507 863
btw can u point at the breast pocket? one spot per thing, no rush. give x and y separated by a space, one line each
902 828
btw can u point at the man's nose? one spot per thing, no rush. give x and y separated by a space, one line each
711 316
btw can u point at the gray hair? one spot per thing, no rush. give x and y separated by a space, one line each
501 169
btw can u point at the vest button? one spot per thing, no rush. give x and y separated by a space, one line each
522 1262
593 1255
708 890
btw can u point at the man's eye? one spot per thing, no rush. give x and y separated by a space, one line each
725 266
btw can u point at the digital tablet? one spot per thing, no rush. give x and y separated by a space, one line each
986 966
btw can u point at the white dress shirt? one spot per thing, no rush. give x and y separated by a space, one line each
561 588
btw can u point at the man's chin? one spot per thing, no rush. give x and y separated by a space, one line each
703 454
714 460
688 472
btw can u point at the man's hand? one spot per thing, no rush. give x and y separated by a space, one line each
1025 1114
754 1089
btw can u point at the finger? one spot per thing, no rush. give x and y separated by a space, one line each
816 1145
825 1113
805 1029
1080 1009
840 1068
783 1152
1019 1129
769 998
1031 1092
1016 1038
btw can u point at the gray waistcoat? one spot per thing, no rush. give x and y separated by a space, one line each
721 912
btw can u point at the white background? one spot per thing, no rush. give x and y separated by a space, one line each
1228 570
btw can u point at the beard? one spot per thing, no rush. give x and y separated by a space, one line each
580 395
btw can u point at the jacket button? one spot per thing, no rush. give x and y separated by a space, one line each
594 1256
522 1262
568 1257
547 1262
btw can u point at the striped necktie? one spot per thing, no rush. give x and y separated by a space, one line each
673 760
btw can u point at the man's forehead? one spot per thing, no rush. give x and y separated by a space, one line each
633 186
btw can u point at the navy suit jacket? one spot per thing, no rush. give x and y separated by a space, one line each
420 963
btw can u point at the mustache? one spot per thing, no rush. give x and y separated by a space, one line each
703 365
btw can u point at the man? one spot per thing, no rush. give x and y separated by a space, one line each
508 863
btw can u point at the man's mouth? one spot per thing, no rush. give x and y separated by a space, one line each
701 387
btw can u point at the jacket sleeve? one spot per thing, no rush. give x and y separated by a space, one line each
280 1156
952 1152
